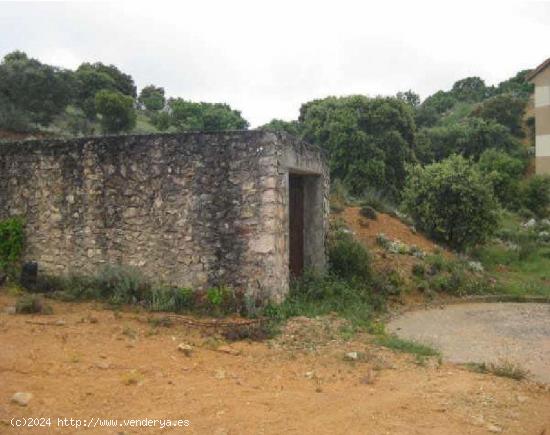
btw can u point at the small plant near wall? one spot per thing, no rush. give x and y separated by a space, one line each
11 245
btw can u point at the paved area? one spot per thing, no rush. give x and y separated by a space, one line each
484 332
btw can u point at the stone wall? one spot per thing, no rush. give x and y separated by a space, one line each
194 209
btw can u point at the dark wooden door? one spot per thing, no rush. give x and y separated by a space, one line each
296 225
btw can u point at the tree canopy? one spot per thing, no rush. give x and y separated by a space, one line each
152 98
31 92
292 127
369 140
469 138
187 115
116 110
506 109
92 78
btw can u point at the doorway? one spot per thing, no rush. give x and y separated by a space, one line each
296 225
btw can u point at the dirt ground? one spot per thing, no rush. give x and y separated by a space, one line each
85 362
484 333
366 230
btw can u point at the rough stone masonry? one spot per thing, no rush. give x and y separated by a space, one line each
193 209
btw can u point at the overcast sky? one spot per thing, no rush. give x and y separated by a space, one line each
267 57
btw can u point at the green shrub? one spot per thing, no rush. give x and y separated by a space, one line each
369 212
339 196
535 194
419 270
11 244
31 304
116 110
170 299
122 284
348 258
221 299
438 263
314 295
504 172
378 201
452 202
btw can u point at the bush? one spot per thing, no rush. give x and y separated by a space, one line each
122 284
170 299
378 201
469 138
369 212
452 202
11 244
339 196
418 270
535 194
116 110
31 304
348 258
505 172
314 295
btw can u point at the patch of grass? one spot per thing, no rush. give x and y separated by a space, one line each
117 285
314 296
519 261
32 304
398 344
504 368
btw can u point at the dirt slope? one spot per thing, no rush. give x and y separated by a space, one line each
85 367
366 230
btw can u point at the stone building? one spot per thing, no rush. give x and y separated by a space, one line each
245 209
540 77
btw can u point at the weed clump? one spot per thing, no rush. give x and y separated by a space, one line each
369 212
395 343
349 259
504 368
32 304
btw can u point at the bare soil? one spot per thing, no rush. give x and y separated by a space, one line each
366 230
84 361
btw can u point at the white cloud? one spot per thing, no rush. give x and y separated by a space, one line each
266 58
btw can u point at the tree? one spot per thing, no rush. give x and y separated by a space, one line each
505 173
517 85
469 138
116 110
440 102
451 201
123 83
276 125
470 89
31 92
186 115
161 120
92 78
535 194
409 97
368 140
506 109
152 98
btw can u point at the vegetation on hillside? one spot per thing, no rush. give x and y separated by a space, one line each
96 98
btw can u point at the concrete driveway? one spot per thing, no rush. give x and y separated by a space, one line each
484 332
